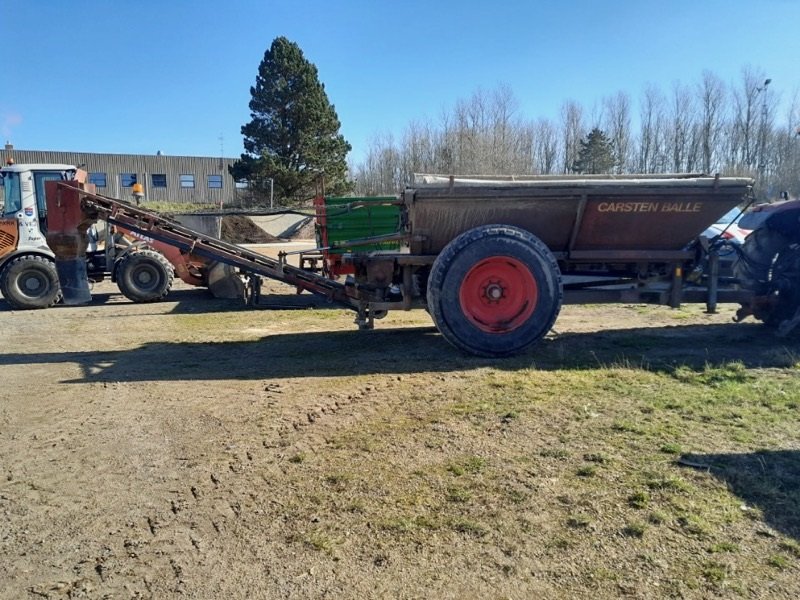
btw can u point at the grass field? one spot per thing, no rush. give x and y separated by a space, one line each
218 452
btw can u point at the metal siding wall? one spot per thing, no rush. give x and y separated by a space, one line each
113 165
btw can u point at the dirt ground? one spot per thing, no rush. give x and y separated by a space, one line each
195 448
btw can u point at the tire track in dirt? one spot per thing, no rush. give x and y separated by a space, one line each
169 548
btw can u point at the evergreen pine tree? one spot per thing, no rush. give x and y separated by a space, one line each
596 154
293 136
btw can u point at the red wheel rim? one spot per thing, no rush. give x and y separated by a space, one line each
498 294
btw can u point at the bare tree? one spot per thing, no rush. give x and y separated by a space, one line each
545 147
572 128
617 122
745 114
652 130
786 176
711 96
680 128
704 126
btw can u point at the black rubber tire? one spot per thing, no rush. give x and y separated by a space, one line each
144 276
30 282
759 251
768 266
475 247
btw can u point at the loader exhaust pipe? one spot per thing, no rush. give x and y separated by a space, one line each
67 225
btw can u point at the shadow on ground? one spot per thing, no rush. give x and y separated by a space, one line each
197 300
768 480
422 349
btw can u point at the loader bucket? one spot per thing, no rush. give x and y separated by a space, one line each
223 281
66 235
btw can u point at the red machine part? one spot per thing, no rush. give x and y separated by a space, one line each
186 265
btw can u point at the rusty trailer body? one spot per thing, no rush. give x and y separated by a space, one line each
492 260
586 217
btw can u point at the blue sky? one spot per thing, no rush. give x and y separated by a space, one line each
174 75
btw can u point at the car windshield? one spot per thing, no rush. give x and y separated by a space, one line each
13 197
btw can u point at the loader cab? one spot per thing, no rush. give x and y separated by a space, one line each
23 191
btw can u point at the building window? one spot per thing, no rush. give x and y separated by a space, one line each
99 179
159 180
127 179
215 182
187 181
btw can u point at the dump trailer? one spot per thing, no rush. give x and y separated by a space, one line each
491 260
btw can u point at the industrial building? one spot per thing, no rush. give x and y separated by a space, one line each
181 179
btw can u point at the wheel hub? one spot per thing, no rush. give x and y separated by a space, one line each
498 294
32 284
494 291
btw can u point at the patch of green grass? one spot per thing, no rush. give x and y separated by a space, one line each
469 464
457 494
669 483
639 500
715 572
778 561
509 416
791 547
408 524
694 525
586 471
597 457
320 542
603 574
579 522
297 458
634 529
671 448
657 518
554 453
723 547
624 426
516 496
733 373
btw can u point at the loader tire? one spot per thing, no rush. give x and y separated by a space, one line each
30 282
144 276
494 291
769 265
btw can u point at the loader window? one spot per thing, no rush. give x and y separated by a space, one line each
38 180
13 197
